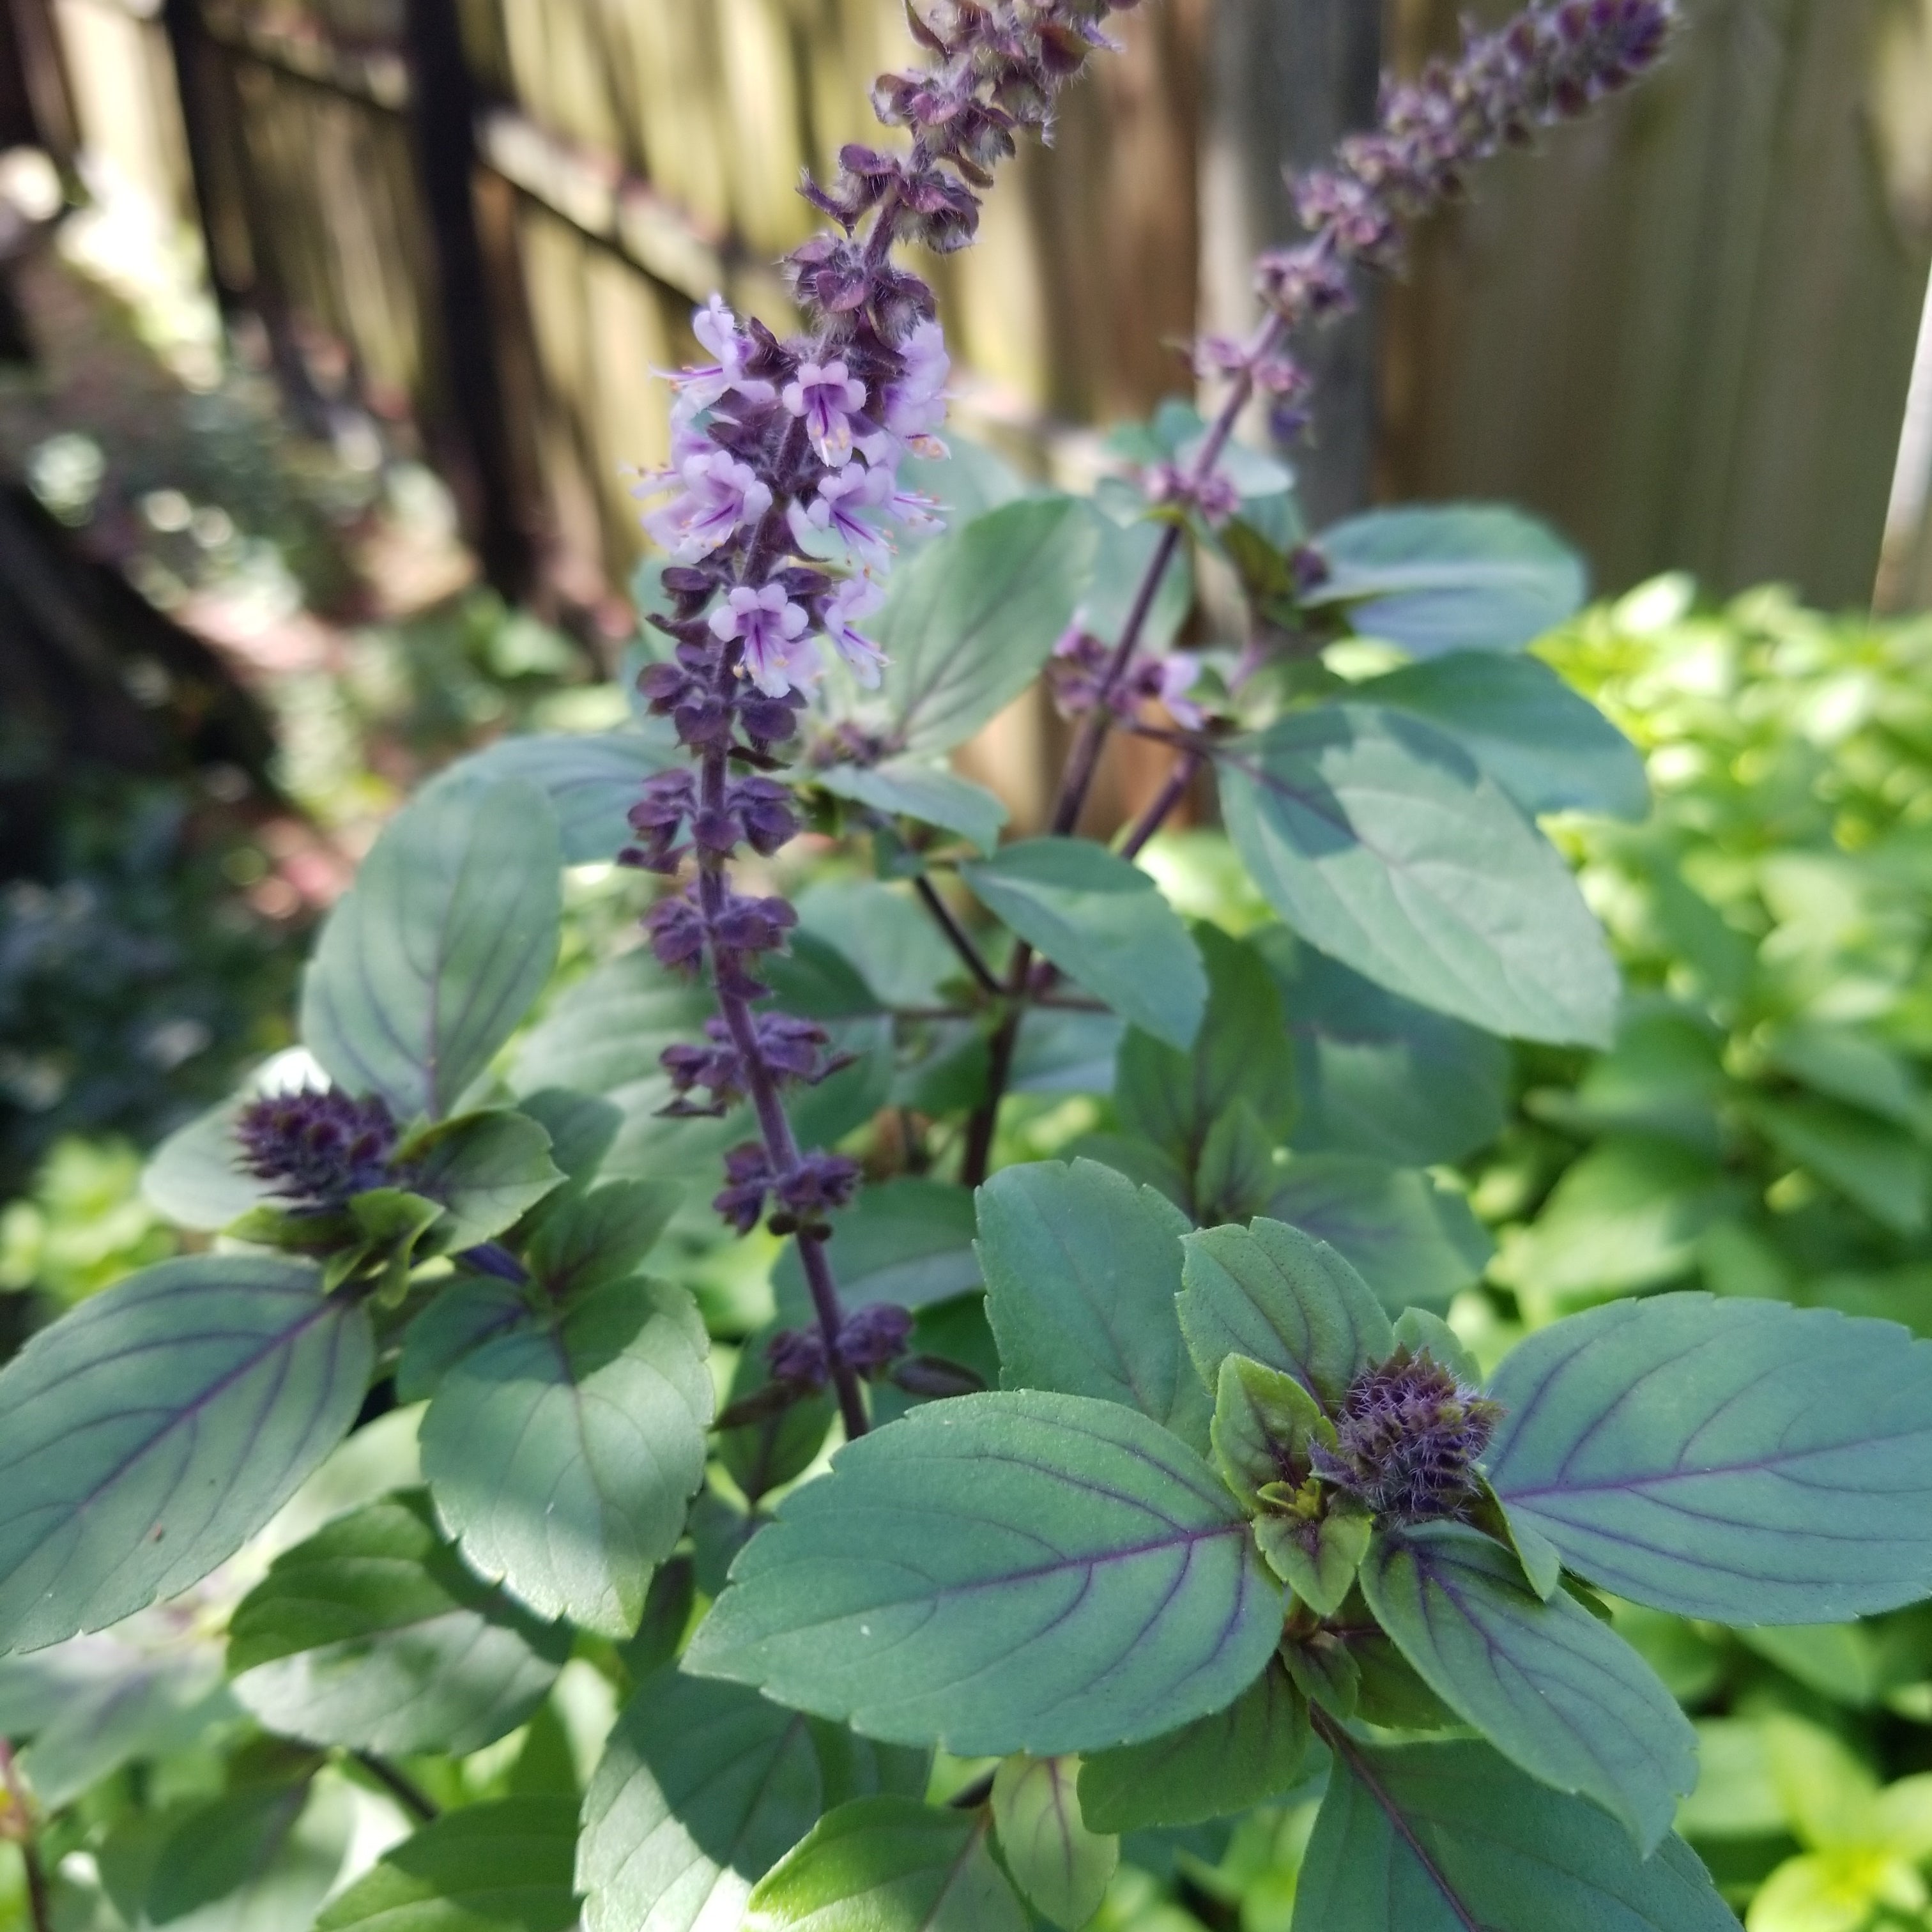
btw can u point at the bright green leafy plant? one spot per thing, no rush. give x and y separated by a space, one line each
1159 1491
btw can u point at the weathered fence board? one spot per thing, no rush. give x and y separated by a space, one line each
1684 331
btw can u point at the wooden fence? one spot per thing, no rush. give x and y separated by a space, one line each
1685 332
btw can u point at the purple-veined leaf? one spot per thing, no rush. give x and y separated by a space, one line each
1013 1571
1744 1461
1283 1298
1451 1837
890 1862
1381 841
1082 1271
1556 1690
436 952
147 1436
702 1788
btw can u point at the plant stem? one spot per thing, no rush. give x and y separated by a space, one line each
1084 760
39 1904
1187 767
957 936
406 1791
1344 1747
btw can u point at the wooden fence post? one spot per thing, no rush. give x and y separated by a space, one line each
442 113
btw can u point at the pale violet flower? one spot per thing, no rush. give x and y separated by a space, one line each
1175 677
717 497
914 406
770 628
857 597
825 395
700 387
833 513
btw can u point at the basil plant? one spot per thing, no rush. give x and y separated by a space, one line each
1071 1448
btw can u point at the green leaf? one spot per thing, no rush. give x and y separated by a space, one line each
1736 1796
1242 1052
1410 1239
1061 1868
1550 748
581 1128
904 788
1557 1692
1380 841
824 1114
147 1708
1881 1167
591 1240
1742 1461
1378 1075
886 1864
1451 1837
1103 922
428 962
1264 1421
1450 576
1323 1668
562 1455
604 1034
591 781
1279 1296
1081 1270
1845 1065
814 979
907 1241
472 1310
1065 1052
885 933
1077 1546
488 1169
972 618
702 1790
1627 1215
1218 1765
504 1866
372 1634
147 1436
265 1855
1237 1173
765 1454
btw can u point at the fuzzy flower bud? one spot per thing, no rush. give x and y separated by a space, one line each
1408 1437
317 1148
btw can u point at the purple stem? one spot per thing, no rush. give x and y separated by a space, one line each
781 1144
960 939
1084 760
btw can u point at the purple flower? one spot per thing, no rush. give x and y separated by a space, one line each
826 395
914 404
317 1148
777 656
1173 678
720 496
857 597
700 387
834 512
